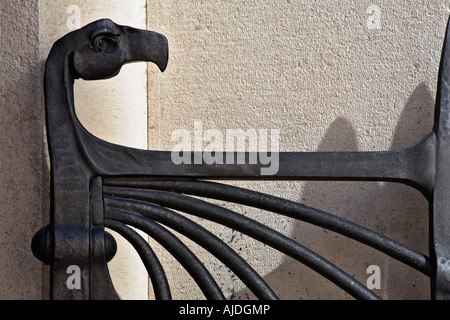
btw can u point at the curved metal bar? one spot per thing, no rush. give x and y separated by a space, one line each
177 248
440 202
259 232
149 258
288 208
201 236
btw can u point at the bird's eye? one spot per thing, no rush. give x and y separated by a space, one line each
104 43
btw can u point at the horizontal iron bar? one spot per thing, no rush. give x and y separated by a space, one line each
413 166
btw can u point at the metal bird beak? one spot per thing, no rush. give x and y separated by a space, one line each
143 45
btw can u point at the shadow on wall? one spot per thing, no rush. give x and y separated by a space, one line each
395 210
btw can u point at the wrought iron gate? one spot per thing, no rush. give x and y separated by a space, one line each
96 184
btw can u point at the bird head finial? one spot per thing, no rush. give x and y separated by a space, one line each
104 47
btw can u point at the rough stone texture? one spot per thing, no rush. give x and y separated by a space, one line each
321 73
21 144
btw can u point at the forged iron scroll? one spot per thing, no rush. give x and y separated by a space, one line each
96 184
